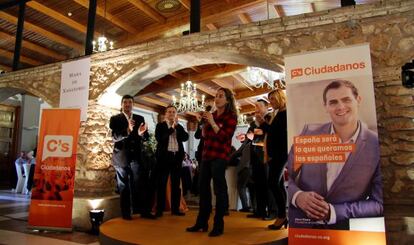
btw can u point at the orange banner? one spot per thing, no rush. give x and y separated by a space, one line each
337 237
54 177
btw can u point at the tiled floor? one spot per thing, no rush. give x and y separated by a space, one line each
14 210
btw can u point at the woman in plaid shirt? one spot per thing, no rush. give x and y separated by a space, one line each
217 133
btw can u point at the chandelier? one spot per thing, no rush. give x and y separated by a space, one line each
261 77
102 44
188 101
242 120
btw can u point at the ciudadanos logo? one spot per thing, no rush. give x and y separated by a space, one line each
57 146
312 70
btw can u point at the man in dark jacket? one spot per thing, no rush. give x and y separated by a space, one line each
170 154
128 132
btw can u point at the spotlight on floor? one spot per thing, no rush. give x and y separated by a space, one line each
96 216
407 75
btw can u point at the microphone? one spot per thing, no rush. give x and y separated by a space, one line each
208 108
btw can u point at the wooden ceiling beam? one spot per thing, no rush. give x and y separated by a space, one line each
247 93
247 109
279 10
186 4
197 69
208 15
244 18
43 32
34 47
23 59
110 17
313 7
5 68
221 83
150 12
57 16
142 106
242 81
153 101
212 26
171 83
177 75
206 89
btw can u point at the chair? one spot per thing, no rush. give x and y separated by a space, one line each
20 179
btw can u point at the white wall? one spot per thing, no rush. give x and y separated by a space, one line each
29 122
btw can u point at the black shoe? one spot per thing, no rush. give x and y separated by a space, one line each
226 213
178 214
215 232
148 216
158 214
278 226
197 227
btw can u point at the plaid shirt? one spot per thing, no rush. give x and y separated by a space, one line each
218 145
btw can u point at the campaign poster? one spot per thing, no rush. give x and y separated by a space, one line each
335 185
54 177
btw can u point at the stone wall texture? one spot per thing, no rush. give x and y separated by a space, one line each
388 26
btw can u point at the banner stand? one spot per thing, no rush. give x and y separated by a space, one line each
54 175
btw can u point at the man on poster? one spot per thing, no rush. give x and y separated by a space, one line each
328 194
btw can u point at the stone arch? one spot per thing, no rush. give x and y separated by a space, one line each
145 71
8 91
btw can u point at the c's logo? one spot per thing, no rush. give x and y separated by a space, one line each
297 72
57 146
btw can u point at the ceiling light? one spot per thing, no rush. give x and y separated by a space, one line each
188 101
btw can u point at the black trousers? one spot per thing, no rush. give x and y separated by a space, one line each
243 178
213 169
186 179
144 189
169 165
31 174
125 184
259 177
277 186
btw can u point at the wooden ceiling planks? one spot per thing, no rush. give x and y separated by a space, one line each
53 34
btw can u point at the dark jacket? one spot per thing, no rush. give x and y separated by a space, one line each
127 148
162 134
277 137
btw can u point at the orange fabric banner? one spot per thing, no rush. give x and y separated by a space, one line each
337 237
54 177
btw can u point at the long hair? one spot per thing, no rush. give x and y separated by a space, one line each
231 101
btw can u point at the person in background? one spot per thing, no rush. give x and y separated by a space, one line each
265 203
217 133
275 130
243 169
170 136
32 161
22 159
186 171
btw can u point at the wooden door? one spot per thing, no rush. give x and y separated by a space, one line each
8 143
